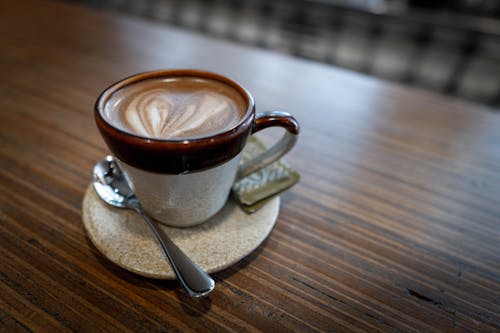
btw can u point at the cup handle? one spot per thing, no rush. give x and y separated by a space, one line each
268 119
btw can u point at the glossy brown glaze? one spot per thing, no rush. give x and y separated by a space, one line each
276 118
181 155
393 227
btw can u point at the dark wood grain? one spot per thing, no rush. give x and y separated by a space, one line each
395 225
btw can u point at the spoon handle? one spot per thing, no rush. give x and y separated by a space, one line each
192 278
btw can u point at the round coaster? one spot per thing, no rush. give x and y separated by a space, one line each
124 238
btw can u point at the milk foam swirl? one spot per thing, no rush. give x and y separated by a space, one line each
158 113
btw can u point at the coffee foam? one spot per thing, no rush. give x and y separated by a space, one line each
176 108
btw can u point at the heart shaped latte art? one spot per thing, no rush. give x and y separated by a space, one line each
156 114
148 113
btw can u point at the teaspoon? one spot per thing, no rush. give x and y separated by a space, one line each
113 188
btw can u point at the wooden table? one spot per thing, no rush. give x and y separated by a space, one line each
394 226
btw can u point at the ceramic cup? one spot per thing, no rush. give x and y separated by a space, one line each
184 182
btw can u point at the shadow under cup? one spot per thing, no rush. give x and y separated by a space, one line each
183 182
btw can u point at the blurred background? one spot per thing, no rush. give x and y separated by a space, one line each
448 46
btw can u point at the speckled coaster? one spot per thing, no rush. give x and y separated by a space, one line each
126 240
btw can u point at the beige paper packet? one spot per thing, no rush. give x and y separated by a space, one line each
253 191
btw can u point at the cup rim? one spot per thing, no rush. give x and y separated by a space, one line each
106 94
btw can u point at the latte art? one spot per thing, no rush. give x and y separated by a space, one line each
147 113
155 114
175 109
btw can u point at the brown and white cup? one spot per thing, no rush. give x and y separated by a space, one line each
183 182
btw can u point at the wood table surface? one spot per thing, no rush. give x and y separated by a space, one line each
394 226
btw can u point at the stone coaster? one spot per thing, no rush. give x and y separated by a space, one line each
125 239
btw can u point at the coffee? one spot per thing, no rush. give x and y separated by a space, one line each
175 108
